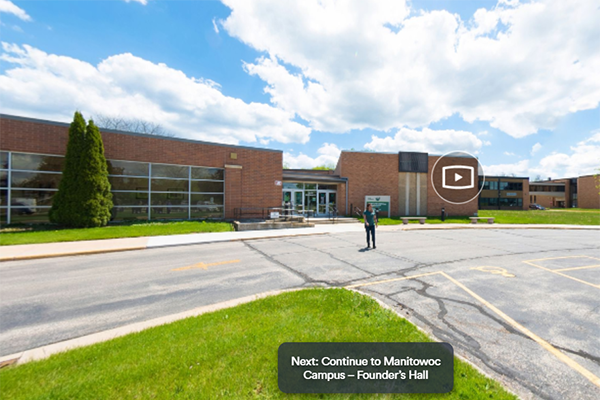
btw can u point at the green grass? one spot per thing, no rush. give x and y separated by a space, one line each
228 354
562 216
49 233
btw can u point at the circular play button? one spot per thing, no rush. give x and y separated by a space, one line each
455 177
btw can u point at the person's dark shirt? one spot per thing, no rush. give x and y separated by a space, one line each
369 217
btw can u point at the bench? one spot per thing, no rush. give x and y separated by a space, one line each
474 220
405 219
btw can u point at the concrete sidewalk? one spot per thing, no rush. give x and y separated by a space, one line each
46 250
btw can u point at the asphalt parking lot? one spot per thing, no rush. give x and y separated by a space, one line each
522 305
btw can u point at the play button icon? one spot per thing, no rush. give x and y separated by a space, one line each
457 177
453 173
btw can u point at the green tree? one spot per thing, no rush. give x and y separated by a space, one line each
83 199
324 167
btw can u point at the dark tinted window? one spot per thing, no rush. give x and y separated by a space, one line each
35 180
31 198
207 173
412 162
129 213
130 198
3 198
206 212
127 168
169 171
207 199
36 162
169 213
169 185
119 183
28 215
170 199
207 187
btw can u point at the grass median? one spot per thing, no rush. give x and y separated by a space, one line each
228 354
50 233
543 217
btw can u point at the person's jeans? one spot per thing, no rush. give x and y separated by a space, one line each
370 229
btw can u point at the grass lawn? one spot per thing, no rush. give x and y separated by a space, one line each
557 216
228 354
49 233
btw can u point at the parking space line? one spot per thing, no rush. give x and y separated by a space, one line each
547 346
561 274
391 280
560 258
576 268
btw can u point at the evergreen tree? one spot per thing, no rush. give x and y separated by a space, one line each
83 198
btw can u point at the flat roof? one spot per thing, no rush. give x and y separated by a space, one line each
546 184
304 177
505 177
43 121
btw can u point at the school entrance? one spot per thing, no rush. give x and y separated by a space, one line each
320 199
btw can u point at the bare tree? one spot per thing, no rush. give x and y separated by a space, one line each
131 125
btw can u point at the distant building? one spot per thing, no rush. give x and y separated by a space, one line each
504 193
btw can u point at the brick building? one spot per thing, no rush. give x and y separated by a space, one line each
154 177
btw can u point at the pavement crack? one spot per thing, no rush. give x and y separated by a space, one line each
302 275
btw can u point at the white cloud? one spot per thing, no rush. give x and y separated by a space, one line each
509 153
353 64
51 86
328 155
535 148
520 168
583 159
10 8
426 140
144 2
215 27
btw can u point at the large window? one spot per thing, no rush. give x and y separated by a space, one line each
511 185
141 191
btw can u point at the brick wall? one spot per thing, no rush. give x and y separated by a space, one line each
369 174
587 193
251 186
526 194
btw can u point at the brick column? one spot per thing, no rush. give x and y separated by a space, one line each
233 189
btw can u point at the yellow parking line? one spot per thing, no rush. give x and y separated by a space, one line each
547 346
564 275
201 265
555 352
576 268
391 280
557 258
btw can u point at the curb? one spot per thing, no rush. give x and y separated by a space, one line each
393 228
48 350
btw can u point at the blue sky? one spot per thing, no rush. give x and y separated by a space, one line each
510 81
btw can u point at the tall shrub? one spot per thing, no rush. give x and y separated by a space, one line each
83 199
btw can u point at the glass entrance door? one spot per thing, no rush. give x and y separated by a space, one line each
327 201
293 199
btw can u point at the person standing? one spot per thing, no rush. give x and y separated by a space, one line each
370 224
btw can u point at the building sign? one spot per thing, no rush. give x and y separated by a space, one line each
277 183
381 204
274 214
